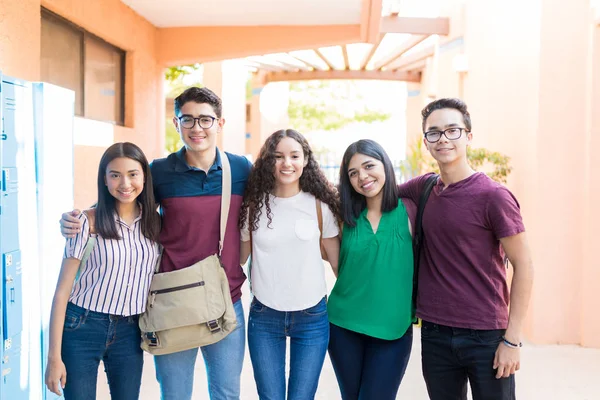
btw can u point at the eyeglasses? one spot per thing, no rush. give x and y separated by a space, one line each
204 122
450 133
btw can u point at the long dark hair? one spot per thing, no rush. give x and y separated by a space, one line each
106 207
261 181
353 203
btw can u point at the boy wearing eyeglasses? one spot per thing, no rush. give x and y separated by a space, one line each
471 224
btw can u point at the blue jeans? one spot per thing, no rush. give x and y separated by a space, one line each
223 361
268 330
366 367
89 337
453 356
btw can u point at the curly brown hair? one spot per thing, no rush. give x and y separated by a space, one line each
261 181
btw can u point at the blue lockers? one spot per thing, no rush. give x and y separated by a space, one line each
16 96
36 160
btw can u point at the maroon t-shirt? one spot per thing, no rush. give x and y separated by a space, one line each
462 276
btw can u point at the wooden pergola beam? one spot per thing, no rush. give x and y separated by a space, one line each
265 66
343 74
398 52
415 26
322 56
405 62
345 54
307 63
371 53
294 66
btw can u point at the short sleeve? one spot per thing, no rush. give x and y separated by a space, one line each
330 226
504 213
244 232
75 247
412 188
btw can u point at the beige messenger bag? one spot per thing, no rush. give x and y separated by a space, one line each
191 307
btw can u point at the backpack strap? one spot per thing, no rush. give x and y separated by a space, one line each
319 218
91 243
418 235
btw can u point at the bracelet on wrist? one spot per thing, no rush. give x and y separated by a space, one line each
511 344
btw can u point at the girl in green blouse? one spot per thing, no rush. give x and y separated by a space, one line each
370 304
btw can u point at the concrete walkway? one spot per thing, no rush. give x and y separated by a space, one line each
547 373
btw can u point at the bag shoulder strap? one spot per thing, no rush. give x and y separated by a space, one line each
319 217
418 233
225 197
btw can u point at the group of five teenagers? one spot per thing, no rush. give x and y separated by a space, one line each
95 317
280 229
370 307
470 225
188 188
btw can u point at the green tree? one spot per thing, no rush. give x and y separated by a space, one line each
328 105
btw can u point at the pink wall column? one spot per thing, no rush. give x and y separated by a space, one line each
590 299
228 80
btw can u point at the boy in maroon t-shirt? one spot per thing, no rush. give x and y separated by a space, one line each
469 224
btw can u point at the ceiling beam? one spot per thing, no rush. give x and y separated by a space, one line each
408 61
371 53
307 63
370 20
399 51
329 64
266 66
415 26
293 66
345 54
345 74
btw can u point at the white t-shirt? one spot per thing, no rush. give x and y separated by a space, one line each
287 271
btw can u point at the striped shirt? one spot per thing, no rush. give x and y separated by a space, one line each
116 277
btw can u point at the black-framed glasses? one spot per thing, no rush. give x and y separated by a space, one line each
450 133
204 122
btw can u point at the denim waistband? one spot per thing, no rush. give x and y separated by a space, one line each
99 315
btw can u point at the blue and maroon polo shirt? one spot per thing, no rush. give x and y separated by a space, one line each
190 204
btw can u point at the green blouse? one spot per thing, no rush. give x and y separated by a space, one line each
373 292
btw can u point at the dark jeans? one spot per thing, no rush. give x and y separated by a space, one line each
451 356
89 337
368 368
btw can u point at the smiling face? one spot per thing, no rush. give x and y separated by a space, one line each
124 179
196 138
367 175
447 151
289 163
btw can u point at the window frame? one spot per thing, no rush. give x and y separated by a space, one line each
85 35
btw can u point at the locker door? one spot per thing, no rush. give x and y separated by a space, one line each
16 181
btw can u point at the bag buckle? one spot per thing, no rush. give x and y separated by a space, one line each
213 326
152 339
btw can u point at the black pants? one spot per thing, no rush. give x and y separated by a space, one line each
451 356
368 368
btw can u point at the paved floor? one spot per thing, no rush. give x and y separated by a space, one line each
548 373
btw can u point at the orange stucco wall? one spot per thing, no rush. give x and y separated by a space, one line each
536 98
114 22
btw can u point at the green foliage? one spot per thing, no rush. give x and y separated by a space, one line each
175 80
172 139
328 105
173 74
494 164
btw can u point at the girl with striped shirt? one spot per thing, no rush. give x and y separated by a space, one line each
97 317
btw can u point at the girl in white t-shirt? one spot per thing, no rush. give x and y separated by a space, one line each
280 228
